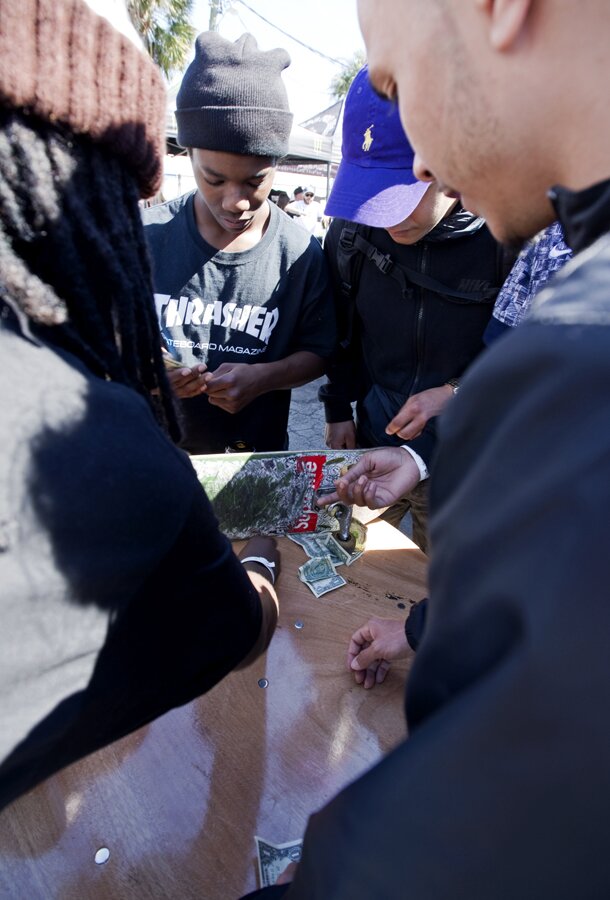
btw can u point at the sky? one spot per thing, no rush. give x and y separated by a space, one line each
330 26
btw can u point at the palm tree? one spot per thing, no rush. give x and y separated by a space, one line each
165 28
340 84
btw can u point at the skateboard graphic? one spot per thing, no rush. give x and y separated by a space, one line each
275 493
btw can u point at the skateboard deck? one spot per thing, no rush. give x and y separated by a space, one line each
271 493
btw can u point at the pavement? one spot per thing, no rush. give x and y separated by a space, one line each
306 422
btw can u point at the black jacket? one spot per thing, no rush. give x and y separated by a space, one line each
502 790
413 319
120 599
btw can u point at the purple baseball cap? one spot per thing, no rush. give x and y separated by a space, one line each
375 184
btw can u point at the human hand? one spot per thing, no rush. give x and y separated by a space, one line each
265 547
288 874
410 420
378 479
340 435
372 647
186 382
233 385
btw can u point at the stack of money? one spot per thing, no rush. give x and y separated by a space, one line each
325 544
274 858
320 575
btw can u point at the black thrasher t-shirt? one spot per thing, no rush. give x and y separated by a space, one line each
257 306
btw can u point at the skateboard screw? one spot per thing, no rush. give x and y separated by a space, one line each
263 683
298 624
102 856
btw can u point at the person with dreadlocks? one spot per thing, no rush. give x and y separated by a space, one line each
242 292
120 598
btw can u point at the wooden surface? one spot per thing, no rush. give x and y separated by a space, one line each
178 803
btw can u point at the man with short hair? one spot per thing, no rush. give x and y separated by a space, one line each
242 293
502 789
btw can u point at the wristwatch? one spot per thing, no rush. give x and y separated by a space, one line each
454 384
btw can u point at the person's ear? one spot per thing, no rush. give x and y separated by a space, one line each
507 19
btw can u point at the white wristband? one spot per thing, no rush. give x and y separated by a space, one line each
423 468
270 566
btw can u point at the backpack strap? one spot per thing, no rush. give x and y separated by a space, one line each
407 277
349 265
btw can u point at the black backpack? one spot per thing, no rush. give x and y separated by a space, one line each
354 247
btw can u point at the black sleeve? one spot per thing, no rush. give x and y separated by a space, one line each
316 331
502 789
190 623
195 618
416 623
268 893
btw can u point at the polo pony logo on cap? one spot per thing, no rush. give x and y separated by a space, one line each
368 139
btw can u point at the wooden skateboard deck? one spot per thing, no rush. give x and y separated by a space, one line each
271 493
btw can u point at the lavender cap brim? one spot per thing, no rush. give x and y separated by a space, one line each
381 197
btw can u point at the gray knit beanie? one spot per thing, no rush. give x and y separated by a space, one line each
232 98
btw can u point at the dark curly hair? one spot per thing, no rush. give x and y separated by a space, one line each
73 257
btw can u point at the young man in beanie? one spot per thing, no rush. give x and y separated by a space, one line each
120 598
242 293
414 278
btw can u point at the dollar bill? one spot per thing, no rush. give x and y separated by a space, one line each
338 554
324 585
274 858
320 576
170 362
338 551
310 543
316 568
358 532
326 544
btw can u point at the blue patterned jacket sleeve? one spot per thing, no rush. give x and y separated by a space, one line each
542 256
